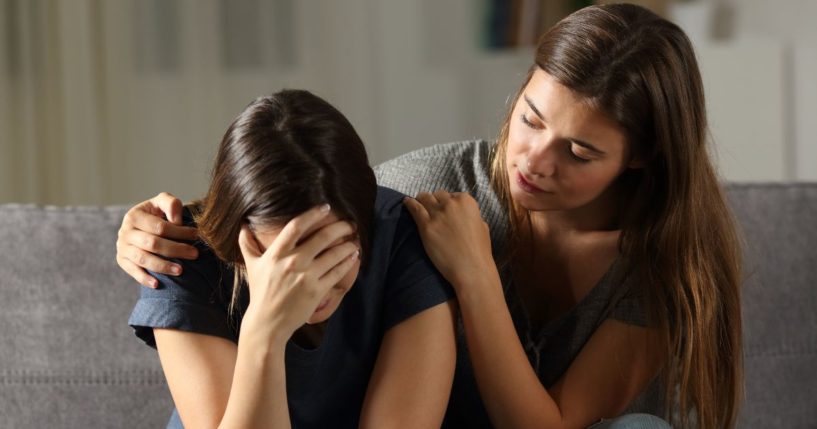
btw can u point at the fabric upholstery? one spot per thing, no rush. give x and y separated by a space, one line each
68 357
779 225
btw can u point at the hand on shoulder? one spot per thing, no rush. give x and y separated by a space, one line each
150 232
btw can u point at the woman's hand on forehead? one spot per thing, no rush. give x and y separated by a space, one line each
317 222
288 279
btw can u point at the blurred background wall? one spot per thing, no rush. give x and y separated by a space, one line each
112 101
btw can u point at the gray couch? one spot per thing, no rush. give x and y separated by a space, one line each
68 358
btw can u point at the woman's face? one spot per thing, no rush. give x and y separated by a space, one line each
330 302
562 154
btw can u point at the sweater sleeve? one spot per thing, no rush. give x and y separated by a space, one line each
455 167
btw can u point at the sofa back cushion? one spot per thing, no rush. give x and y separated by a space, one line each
779 225
68 357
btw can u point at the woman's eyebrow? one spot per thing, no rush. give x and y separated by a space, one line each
588 146
581 143
533 107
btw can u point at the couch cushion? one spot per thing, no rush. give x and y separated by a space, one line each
779 223
69 358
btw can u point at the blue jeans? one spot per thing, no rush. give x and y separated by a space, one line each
632 421
627 421
175 421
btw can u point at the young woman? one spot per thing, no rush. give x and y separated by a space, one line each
312 302
607 277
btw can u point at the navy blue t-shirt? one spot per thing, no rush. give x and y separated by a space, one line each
326 385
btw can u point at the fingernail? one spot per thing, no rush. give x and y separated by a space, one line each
175 269
325 208
152 283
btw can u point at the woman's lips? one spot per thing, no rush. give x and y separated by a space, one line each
526 185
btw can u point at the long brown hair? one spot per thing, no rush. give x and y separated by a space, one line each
282 155
678 237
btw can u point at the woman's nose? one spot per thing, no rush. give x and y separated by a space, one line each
541 159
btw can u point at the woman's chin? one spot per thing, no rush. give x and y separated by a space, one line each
533 203
325 310
317 318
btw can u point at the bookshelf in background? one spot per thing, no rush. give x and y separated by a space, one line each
519 23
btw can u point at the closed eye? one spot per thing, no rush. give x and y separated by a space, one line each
574 156
529 123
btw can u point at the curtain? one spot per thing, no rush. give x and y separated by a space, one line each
113 101
105 101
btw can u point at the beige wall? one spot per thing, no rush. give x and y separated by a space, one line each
113 101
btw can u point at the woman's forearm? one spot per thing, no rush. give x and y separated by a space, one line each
258 395
513 395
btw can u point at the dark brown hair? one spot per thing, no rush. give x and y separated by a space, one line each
678 237
284 154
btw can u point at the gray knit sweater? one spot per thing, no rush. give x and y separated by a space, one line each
454 167
465 167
